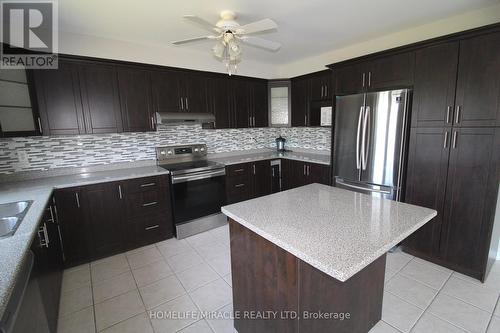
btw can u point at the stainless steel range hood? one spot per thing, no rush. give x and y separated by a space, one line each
171 118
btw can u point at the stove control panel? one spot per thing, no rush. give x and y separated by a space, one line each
185 152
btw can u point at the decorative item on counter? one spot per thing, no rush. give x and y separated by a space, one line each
280 144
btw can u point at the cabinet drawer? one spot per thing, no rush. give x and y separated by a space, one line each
145 184
147 202
238 191
148 229
238 170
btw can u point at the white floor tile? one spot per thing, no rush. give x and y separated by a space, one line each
411 291
497 309
459 313
173 246
200 326
397 260
184 260
474 294
398 313
492 279
229 280
383 327
433 265
162 317
197 276
222 264
429 323
76 277
212 250
117 309
425 273
212 296
107 268
161 291
224 322
389 274
494 326
142 258
113 287
201 239
75 300
81 321
152 272
137 324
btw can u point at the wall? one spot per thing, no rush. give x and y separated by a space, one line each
469 20
45 153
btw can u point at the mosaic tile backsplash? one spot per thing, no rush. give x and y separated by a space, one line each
46 153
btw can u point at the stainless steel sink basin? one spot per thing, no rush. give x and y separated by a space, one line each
11 216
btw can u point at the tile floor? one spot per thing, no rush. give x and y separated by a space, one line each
115 294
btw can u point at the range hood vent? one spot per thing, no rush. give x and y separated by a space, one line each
175 118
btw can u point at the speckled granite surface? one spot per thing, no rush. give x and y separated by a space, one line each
13 249
337 231
238 157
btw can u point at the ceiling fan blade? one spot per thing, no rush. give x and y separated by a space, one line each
258 26
184 41
202 23
261 43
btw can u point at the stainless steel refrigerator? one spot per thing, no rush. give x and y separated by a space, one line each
370 138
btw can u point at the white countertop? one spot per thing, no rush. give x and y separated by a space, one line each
320 157
337 231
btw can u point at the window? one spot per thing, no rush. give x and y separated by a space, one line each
279 103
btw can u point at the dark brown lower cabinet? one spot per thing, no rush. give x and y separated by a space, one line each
297 173
103 219
457 172
248 180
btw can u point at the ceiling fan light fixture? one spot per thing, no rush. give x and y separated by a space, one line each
218 49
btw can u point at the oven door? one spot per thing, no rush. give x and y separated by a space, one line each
198 194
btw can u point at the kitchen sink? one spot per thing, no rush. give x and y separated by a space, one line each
11 215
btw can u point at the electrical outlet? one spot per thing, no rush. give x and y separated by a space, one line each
22 156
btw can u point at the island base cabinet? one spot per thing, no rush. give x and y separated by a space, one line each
290 294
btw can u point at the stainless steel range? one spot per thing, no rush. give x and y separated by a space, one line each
198 188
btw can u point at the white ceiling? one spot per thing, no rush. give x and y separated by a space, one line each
305 28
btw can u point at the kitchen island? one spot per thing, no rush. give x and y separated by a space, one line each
312 259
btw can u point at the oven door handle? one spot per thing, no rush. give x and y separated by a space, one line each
197 176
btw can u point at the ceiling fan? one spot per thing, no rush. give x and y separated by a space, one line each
229 36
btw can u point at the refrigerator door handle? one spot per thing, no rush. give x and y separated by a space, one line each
341 182
365 139
360 119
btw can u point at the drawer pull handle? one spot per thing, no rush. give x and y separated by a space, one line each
239 170
148 184
239 185
153 227
150 203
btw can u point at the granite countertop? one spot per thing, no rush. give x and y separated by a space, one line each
14 249
320 157
337 231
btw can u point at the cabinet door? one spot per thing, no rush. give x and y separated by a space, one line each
294 174
195 93
426 184
478 85
300 102
101 207
471 195
318 173
262 178
260 107
240 93
75 232
165 91
317 87
101 103
434 88
350 79
135 99
219 101
59 102
392 71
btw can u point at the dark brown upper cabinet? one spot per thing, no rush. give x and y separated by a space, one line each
135 99
434 87
391 71
321 86
259 108
240 95
193 88
218 101
59 100
300 101
100 98
478 85
165 91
